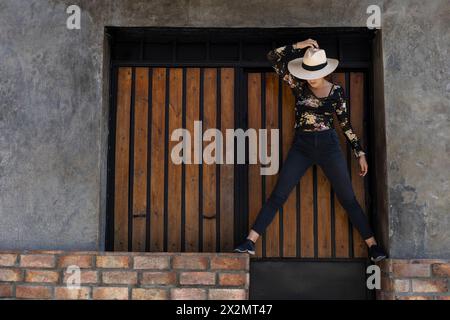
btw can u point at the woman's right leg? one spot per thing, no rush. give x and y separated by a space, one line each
293 168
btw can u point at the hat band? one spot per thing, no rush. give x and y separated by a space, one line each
314 68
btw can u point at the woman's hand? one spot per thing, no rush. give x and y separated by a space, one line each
362 165
306 43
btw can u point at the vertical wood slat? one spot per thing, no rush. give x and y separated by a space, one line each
121 170
323 215
209 170
290 206
341 217
254 177
174 170
307 214
157 163
272 234
140 159
226 170
357 118
192 170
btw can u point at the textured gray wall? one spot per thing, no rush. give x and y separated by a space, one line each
53 110
417 98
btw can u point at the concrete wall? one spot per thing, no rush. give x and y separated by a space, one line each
53 110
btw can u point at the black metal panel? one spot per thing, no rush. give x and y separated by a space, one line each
263 178
157 51
255 51
109 230
191 51
227 51
126 51
309 279
231 46
354 48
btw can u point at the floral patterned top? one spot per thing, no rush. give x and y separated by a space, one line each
314 113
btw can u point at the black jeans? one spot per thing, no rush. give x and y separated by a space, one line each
321 148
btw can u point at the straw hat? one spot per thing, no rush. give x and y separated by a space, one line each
313 65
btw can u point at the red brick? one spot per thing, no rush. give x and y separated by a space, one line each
414 297
441 269
229 263
411 270
110 293
8 259
119 277
76 260
227 294
151 262
428 261
187 294
233 279
86 276
37 261
198 277
64 293
149 294
153 278
386 283
429 285
443 297
401 285
385 265
12 275
33 292
47 276
5 290
113 261
190 262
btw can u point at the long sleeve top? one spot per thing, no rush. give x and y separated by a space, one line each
314 113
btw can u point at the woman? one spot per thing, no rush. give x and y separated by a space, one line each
315 140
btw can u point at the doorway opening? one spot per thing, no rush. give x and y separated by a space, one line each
163 79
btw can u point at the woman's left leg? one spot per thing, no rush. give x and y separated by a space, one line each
335 168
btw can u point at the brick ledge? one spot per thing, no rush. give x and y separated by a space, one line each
414 279
43 274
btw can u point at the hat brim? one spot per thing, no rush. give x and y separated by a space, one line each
296 69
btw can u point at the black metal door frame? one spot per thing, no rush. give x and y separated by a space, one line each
244 49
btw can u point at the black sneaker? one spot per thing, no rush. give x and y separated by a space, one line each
246 246
376 253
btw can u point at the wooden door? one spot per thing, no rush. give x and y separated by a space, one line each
162 206
159 205
312 222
